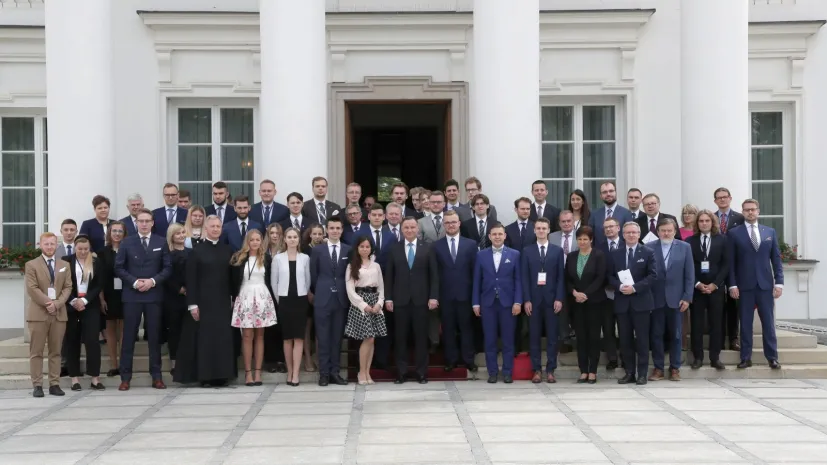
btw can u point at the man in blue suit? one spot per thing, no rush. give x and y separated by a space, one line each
634 302
143 265
170 213
611 209
497 297
134 203
520 233
756 277
544 290
456 257
673 292
236 230
613 241
268 211
220 206
328 262
354 226
380 235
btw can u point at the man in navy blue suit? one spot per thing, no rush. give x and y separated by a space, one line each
613 241
544 291
170 213
456 257
268 211
610 209
634 302
520 233
295 218
221 206
380 235
756 278
236 230
143 265
134 203
328 262
497 298
539 191
354 226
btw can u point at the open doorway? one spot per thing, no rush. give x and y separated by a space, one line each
397 140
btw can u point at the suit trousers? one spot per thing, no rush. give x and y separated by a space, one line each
456 317
765 303
669 322
132 313
330 328
434 320
83 327
406 318
609 323
587 319
382 353
543 317
633 327
564 317
497 321
707 309
46 332
729 319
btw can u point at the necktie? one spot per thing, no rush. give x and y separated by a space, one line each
630 258
135 224
612 246
481 229
51 272
410 255
145 243
437 223
754 236
566 244
296 223
322 214
395 233
652 227
454 249
543 253
609 213
356 228
703 245
522 228
539 211
170 214
377 240
334 258
723 223
243 229
68 250
267 215
220 211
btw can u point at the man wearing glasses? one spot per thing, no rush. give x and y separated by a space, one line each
170 213
473 186
728 219
354 224
649 221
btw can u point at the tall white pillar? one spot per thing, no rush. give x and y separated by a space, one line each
714 100
80 108
293 103
505 110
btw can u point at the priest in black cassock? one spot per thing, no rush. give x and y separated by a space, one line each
206 352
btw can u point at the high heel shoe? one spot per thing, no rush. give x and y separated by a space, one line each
257 383
248 383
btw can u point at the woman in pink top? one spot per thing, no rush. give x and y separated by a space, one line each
689 213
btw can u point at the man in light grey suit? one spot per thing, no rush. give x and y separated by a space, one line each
451 189
430 226
565 239
672 291
473 186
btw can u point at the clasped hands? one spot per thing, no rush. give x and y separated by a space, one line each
143 285
706 288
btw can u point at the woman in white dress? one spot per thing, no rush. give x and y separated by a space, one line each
254 307
366 291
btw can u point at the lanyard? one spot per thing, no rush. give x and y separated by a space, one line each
82 279
251 268
708 244
51 269
666 257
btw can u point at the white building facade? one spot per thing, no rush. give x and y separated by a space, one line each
675 97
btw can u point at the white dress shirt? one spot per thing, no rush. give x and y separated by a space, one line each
498 255
338 249
246 221
294 220
540 206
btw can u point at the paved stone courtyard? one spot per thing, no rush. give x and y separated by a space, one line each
694 421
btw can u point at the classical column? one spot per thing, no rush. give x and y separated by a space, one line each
714 100
505 110
293 103
80 108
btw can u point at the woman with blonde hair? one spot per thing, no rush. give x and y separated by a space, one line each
254 307
110 298
689 215
194 225
175 293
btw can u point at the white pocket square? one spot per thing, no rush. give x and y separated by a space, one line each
61 270
640 260
507 260
156 250
768 239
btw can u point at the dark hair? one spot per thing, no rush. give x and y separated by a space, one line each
449 183
144 210
634 189
318 178
585 231
721 189
539 181
169 184
402 185
220 185
81 238
495 226
241 198
296 195
482 197
306 234
408 218
663 221
543 220
109 231
439 193
356 259
584 210
99 199
69 221
475 180
184 194
335 219
377 206
521 199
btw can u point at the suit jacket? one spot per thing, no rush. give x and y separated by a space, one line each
470 229
229 211
279 276
455 276
38 283
643 222
644 270
463 211
237 273
159 219
349 236
231 233
733 220
330 209
550 212
407 210
94 286
513 238
750 269
676 280
278 213
133 263
324 277
61 251
593 280
718 257
386 237
415 285
94 230
490 282
343 215
427 230
492 211
604 247
129 226
620 213
556 238
288 223
555 287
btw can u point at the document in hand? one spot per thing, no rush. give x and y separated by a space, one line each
625 277
649 238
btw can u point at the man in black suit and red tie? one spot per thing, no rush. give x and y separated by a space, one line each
540 208
649 222
319 209
728 219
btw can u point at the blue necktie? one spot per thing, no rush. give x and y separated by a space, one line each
410 256
51 272
170 214
334 258
631 258
68 250
267 215
454 249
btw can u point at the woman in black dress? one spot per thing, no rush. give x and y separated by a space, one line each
313 236
194 226
291 282
175 293
111 305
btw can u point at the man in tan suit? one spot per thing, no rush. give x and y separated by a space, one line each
49 285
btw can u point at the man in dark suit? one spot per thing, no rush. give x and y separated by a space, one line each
649 222
756 277
233 233
134 203
399 194
184 199
613 241
411 290
319 209
610 209
221 206
634 197
728 219
520 233
328 263
393 215
380 235
143 265
634 302
478 228
710 252
451 189
540 208
170 213
268 211
473 187
295 218
497 297
544 290
353 195
354 226
456 256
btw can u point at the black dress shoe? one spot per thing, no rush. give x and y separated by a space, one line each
629 378
336 379
641 381
507 379
116 372
612 365
492 379
775 365
472 367
56 391
38 391
76 387
205 384
717 365
450 367
592 381
399 380
745 364
422 379
97 387
324 380
582 380
697 364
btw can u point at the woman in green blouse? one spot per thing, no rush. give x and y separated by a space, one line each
586 282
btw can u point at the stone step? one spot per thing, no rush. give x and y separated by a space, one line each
16 348
786 340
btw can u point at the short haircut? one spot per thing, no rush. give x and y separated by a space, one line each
496 225
649 196
393 205
402 185
169 184
543 220
565 212
334 219
353 206
184 194
438 194
450 213
416 191
69 221
354 184
475 180
609 183
409 218
136 196
99 199
211 218
521 199
47 235
611 219
631 223
449 183
318 178
664 221
220 185
296 195
757 205
377 206
241 198
716 227
144 211
539 181
721 189
477 197
585 231
266 181
634 189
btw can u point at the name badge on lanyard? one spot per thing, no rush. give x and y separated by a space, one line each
541 279
51 293
704 267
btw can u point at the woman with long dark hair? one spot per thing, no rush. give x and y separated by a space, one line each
110 299
579 207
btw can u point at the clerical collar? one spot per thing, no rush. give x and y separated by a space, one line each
213 242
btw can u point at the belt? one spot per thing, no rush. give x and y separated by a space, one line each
367 289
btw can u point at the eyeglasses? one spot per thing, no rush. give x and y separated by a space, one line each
171 195
649 204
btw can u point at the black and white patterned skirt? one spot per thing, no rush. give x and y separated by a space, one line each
365 325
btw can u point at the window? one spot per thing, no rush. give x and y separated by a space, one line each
768 145
23 159
215 143
579 150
